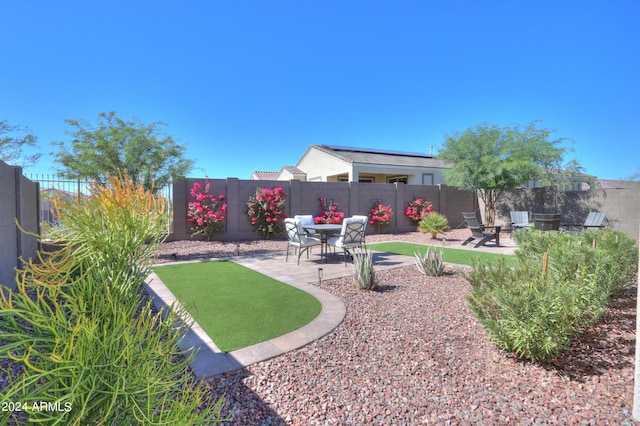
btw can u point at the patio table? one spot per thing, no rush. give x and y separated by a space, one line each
324 230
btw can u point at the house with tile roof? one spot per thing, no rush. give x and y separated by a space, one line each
329 163
261 175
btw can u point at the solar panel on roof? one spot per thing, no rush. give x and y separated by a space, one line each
376 151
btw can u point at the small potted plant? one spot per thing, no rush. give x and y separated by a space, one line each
434 224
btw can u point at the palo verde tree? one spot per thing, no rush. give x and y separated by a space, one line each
489 160
114 146
13 139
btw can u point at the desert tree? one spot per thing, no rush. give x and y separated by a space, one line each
489 160
113 145
13 140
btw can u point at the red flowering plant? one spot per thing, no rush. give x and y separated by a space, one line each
266 211
380 215
207 213
418 209
329 214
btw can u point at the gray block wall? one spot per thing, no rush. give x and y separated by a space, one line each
353 198
19 198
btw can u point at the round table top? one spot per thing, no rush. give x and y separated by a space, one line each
324 227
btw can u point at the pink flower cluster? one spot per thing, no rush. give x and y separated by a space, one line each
418 209
380 215
207 213
266 210
330 214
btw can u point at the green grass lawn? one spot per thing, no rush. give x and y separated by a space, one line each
236 306
451 255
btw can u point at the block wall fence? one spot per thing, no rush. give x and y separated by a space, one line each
621 203
303 198
19 198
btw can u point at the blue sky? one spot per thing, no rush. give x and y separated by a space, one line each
249 85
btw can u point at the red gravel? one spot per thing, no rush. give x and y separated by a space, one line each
413 353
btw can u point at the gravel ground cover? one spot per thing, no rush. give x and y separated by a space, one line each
413 353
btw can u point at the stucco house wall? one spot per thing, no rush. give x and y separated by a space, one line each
323 163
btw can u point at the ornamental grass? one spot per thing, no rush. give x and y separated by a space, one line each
88 342
560 285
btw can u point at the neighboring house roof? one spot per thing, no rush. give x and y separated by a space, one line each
617 184
262 175
376 156
50 193
293 170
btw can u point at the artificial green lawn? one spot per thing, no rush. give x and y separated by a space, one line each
236 306
451 255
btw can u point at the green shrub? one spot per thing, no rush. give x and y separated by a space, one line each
363 272
535 314
432 263
82 332
434 224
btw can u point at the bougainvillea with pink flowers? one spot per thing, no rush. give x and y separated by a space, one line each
380 215
207 213
330 214
418 209
266 211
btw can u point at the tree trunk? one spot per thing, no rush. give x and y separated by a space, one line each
490 199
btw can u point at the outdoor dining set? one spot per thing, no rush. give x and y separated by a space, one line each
303 233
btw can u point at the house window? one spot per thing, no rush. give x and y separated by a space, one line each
343 178
427 179
366 179
398 179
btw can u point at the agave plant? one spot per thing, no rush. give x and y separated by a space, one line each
363 273
432 263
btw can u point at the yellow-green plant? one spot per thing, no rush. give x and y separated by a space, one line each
535 313
90 346
434 224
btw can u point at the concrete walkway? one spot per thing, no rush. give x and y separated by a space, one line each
209 360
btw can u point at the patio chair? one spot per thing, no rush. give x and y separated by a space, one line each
520 220
306 219
298 239
365 220
478 231
594 220
350 236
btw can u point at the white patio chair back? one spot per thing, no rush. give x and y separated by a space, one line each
350 236
297 238
305 219
365 220
351 233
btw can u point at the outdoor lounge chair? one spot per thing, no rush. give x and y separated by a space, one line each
298 239
520 220
594 220
478 231
350 236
